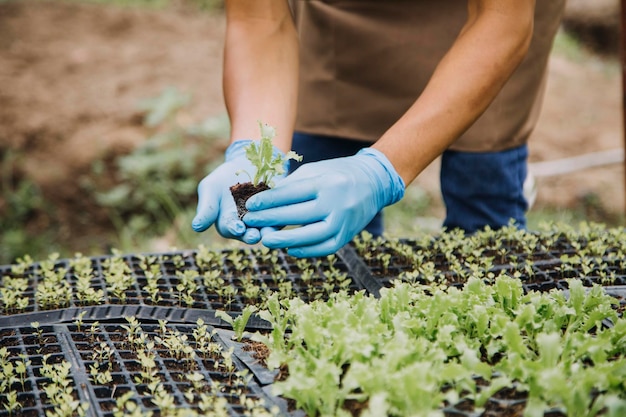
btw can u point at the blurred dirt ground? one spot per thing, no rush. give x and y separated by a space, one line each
71 76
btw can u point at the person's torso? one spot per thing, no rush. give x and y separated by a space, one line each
363 63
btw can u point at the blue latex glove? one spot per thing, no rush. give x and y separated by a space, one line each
333 200
215 202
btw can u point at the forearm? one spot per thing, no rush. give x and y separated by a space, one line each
490 47
260 69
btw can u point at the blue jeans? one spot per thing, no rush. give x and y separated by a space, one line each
484 188
478 189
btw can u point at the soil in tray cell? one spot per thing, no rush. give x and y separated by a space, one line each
118 338
107 405
9 340
208 363
133 366
390 271
179 366
28 412
127 355
43 350
21 386
493 408
106 396
36 361
26 400
507 402
44 334
170 268
103 392
543 287
40 344
130 299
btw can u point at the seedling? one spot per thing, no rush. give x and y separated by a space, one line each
40 339
79 320
133 332
118 276
203 338
53 291
268 165
20 369
152 271
187 286
99 376
93 332
125 406
238 323
12 404
12 294
59 390
227 295
83 272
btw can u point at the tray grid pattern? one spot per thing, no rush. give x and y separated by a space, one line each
85 309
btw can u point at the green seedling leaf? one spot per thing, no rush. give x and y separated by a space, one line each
549 346
267 162
238 323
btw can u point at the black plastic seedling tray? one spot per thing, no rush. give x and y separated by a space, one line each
94 349
181 288
115 312
211 285
542 268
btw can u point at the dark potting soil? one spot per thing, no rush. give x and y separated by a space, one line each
242 192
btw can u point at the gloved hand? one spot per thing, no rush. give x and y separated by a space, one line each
215 202
333 200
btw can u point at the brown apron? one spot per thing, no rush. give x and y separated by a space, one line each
363 63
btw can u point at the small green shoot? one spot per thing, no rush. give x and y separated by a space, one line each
261 155
238 323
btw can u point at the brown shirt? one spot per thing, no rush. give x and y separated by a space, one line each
364 62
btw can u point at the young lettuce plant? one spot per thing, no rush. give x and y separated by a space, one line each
268 164
238 323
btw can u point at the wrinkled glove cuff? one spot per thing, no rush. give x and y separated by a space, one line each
395 192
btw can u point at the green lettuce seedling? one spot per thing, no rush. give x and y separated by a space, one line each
268 164
261 155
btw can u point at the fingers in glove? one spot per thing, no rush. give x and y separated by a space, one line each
324 248
208 206
286 192
266 230
307 235
251 236
228 223
313 240
294 214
